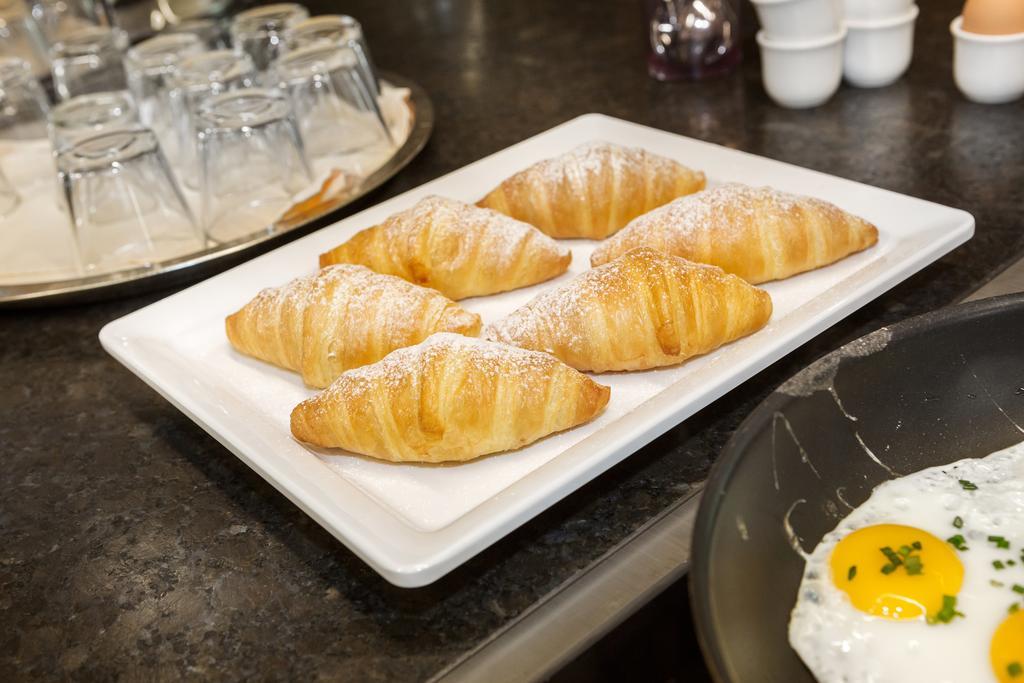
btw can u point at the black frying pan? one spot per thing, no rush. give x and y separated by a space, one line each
931 390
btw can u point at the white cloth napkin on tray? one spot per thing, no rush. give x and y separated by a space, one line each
36 239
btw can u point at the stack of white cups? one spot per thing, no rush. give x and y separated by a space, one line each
880 41
801 45
807 46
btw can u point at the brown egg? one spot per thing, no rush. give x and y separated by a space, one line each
994 17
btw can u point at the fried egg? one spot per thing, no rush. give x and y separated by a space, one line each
923 582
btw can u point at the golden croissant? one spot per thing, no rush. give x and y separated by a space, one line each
449 398
643 310
456 248
592 191
757 233
342 317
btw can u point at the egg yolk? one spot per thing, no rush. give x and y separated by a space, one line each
1007 651
895 571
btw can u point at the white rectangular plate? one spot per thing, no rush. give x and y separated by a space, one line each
415 523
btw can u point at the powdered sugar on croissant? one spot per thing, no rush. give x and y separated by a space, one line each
643 310
342 317
450 398
593 190
456 248
758 233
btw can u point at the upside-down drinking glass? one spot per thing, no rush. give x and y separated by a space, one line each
334 105
197 79
339 29
57 19
85 116
259 32
149 66
251 162
21 38
23 112
126 209
23 104
211 32
88 60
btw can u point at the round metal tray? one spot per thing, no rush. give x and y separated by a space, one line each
202 264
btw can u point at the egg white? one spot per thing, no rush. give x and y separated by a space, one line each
838 642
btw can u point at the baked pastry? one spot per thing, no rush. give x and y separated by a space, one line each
757 233
342 317
458 249
593 190
449 398
643 310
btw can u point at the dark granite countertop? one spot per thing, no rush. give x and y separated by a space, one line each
133 545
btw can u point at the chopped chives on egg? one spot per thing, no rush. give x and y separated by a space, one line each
1017 588
998 564
999 541
1014 608
904 557
968 485
958 522
948 611
894 560
957 542
996 584
851 573
1014 669
891 555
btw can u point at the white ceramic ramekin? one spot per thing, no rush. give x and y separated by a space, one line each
800 74
787 20
988 69
878 52
873 10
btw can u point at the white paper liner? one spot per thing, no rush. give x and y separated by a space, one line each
36 238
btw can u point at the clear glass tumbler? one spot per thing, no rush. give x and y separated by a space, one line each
339 29
21 38
23 104
259 32
88 60
212 32
197 79
126 209
251 162
334 105
23 128
85 116
149 65
57 19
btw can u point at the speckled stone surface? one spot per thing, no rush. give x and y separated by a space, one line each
134 546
